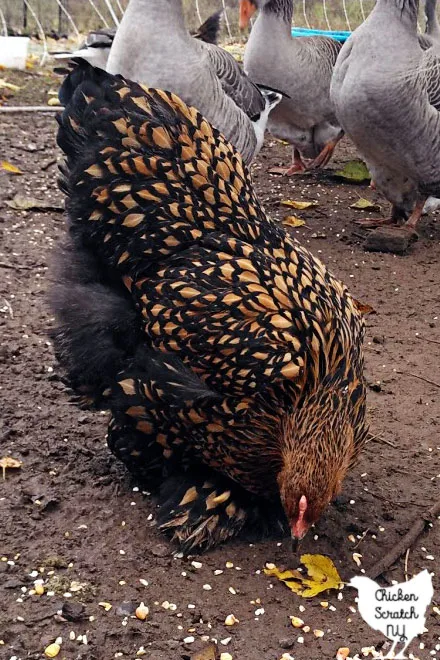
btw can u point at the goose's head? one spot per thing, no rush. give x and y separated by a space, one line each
248 9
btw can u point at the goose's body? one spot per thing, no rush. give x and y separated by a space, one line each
302 68
385 90
161 53
97 45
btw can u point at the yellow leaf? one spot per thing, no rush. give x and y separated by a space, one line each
322 575
298 205
8 167
354 170
293 221
365 204
7 85
8 462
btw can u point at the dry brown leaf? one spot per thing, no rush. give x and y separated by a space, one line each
9 167
294 204
322 573
7 462
293 221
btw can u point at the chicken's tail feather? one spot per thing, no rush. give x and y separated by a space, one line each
200 509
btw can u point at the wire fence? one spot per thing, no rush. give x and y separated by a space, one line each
60 18
73 17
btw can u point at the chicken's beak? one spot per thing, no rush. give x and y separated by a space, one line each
247 10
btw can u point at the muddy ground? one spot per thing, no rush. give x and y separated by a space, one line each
73 517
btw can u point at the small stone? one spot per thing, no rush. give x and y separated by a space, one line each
160 550
287 642
72 611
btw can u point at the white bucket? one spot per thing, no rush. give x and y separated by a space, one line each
13 52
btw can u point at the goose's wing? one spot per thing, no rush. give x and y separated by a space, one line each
430 67
235 83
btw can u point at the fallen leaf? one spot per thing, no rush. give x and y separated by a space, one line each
354 170
21 203
207 653
298 205
7 85
322 574
7 462
365 204
293 221
8 167
363 308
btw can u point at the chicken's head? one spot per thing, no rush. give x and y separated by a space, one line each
317 450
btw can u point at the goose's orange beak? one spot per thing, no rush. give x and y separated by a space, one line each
247 10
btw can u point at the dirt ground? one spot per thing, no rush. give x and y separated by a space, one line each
72 517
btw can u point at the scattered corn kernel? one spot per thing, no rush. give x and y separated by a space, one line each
229 564
306 629
296 622
342 653
357 558
106 606
318 633
324 604
142 612
52 650
225 656
231 619
39 589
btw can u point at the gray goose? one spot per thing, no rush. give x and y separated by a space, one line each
153 46
386 91
96 47
302 68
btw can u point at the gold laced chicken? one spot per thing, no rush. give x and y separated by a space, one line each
229 356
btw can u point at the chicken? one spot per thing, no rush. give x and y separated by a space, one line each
230 357
399 612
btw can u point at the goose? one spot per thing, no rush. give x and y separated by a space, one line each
96 47
301 67
385 89
432 29
153 46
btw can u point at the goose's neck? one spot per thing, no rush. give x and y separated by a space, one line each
159 14
282 9
406 10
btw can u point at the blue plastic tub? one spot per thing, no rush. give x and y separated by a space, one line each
308 32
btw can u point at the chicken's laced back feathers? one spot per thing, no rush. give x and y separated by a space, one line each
255 324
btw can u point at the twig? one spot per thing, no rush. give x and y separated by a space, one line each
431 341
6 264
31 108
406 564
361 539
378 438
9 308
406 542
426 380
